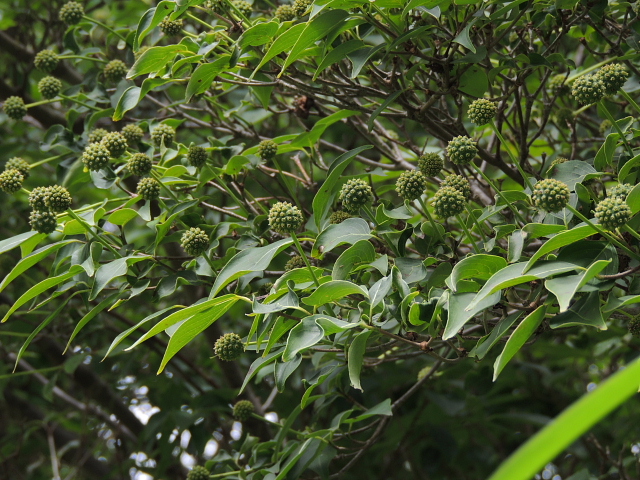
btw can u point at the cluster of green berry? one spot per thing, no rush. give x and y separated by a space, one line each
588 89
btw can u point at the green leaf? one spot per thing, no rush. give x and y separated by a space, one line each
564 288
333 290
585 311
474 81
381 108
90 316
350 231
383 408
476 267
360 57
337 54
379 291
537 230
129 99
604 157
355 358
458 314
463 37
16 241
304 335
518 338
258 35
257 365
152 19
203 76
308 139
412 269
494 337
112 270
284 42
574 171
633 200
359 254
560 240
531 457
283 370
626 168
154 59
122 216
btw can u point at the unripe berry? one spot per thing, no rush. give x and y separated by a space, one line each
588 89
430 164
621 191
285 218
58 199
148 188
195 241
448 202
15 108
38 198
19 164
550 195
461 150
115 143
132 134
96 135
139 164
43 222
171 27
612 212
228 347
71 13
613 77
95 156
198 473
245 7
163 132
242 410
197 156
115 70
300 7
49 87
46 61
11 181
338 216
294 262
285 13
411 185
482 111
267 149
564 116
459 183
215 5
634 326
558 86
355 194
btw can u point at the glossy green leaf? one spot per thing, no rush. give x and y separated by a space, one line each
112 270
459 315
304 335
122 216
355 357
350 231
154 59
477 267
16 241
107 302
586 311
359 254
203 76
494 337
284 42
337 54
283 370
559 241
258 35
332 291
564 288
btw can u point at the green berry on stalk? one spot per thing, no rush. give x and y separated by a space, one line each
411 185
245 7
612 213
285 13
294 262
197 156
448 202
198 473
96 135
95 156
588 89
558 86
355 194
242 410
43 221
57 199
195 241
139 164
267 149
621 191
15 108
228 347
163 132
49 87
46 61
285 218
461 150
71 13
634 326
115 143
115 70
430 164
300 7
170 27
38 199
19 164
550 195
338 216
482 111
11 181
459 183
215 5
148 188
613 77
132 133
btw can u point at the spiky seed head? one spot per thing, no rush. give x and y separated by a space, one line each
558 160
115 143
132 134
461 150
558 86
245 7
459 183
11 181
115 70
267 149
613 77
588 89
198 473
411 185
43 221
228 347
294 262
95 156
550 195
355 194
216 6
38 197
197 156
285 13
242 410
448 202
634 326
71 13
19 164
15 108
49 87
622 191
338 216
139 164
613 212
195 241
564 116
482 111
96 135
58 199
46 61
430 164
148 188
605 126
285 218
300 7
163 132
170 27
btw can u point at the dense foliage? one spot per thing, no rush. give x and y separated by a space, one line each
331 239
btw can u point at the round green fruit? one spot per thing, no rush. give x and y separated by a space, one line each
430 164
11 181
482 111
588 89
285 218
195 241
148 188
243 410
461 150
43 222
411 185
355 194
550 195
228 347
139 164
95 156
448 202
612 213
